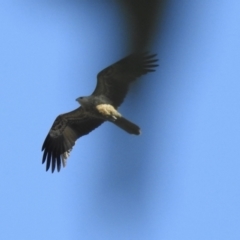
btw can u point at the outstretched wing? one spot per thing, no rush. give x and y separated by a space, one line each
66 129
114 80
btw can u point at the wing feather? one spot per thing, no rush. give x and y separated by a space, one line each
48 160
66 129
58 163
53 162
113 81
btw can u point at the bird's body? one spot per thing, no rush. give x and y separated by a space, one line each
101 106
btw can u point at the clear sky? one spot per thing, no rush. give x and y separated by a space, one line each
179 180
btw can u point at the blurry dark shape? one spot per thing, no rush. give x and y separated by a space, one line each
112 87
142 17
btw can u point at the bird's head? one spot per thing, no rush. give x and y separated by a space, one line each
86 102
80 100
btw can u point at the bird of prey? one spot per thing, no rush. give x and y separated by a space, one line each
101 106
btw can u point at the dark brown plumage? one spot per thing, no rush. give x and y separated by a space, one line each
114 80
101 106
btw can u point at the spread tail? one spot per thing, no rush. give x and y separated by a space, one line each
127 125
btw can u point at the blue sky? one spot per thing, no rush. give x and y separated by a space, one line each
179 180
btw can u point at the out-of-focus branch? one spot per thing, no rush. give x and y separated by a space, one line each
143 16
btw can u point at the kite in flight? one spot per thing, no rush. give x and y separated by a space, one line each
112 86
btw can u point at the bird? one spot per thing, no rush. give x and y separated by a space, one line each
101 106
